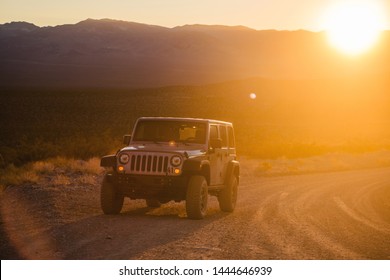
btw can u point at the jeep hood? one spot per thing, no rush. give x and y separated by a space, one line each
187 151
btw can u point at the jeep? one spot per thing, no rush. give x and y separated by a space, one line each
175 159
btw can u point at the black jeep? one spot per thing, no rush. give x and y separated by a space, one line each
174 159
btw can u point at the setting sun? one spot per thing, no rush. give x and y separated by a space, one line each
354 26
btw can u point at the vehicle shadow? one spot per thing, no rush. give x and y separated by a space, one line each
38 223
129 234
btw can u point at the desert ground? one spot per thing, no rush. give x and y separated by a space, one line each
318 215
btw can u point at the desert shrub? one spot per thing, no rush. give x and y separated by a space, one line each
12 175
90 166
291 119
63 171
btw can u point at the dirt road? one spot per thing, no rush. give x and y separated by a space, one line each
341 215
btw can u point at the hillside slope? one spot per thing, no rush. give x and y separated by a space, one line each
109 53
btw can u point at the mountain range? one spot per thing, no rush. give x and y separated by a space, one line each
111 53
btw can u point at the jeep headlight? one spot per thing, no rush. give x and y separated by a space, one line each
124 158
175 161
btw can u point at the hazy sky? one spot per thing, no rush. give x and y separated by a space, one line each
257 14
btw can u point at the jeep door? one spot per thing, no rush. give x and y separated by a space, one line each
215 158
232 143
223 134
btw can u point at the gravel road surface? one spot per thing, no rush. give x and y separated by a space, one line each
339 215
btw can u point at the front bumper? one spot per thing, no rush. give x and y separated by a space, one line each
147 186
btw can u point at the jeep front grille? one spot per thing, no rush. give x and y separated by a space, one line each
148 163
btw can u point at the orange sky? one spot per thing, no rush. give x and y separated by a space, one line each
257 14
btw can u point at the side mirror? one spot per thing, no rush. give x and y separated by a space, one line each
216 143
126 139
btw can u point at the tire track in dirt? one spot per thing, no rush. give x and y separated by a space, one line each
340 215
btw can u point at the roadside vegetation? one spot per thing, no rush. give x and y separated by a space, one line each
52 172
287 120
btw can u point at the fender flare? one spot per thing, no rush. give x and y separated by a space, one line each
108 161
197 167
233 169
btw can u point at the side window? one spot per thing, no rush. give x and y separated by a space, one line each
213 132
232 142
224 137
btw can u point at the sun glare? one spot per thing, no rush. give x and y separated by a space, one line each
354 26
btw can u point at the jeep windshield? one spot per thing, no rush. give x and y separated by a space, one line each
158 131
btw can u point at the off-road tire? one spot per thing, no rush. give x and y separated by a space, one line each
197 197
227 198
153 203
110 200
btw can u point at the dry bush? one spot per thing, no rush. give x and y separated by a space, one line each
91 166
43 167
61 180
288 118
16 176
59 171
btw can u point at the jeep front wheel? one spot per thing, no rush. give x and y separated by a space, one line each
227 198
110 200
197 197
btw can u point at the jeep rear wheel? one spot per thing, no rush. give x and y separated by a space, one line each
197 197
110 200
228 196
